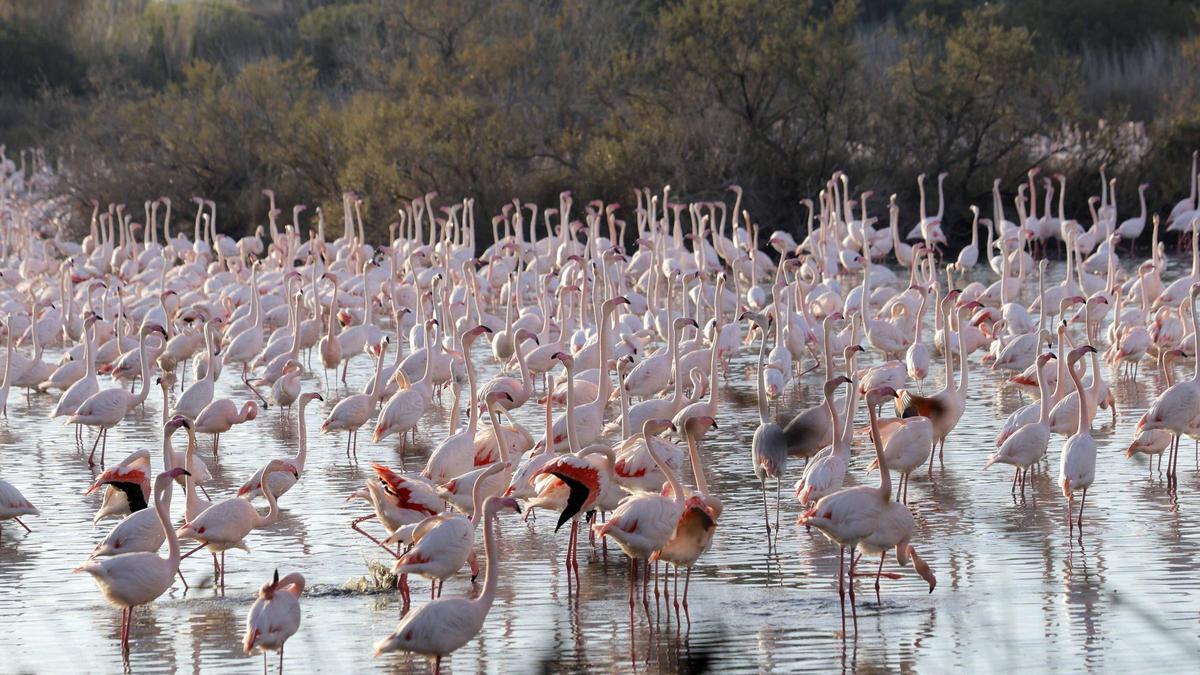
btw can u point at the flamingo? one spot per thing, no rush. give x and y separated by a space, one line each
274 617
1077 468
220 416
105 409
694 532
355 410
769 449
456 455
443 625
283 480
225 524
851 514
644 523
132 579
442 544
13 505
1028 444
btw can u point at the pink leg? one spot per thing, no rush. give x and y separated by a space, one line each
842 585
1082 502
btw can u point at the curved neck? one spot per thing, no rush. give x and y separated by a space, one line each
697 464
89 356
473 401
763 417
1195 339
963 364
491 576
497 431
676 487
273 511
885 477
526 378
1044 390
837 425
162 502
1085 424
145 359
572 440
377 383
604 386
302 433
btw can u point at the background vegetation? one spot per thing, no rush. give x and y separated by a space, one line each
499 98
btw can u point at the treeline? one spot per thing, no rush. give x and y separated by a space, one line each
504 98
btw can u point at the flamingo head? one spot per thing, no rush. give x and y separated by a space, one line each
697 426
495 398
878 394
656 426
922 568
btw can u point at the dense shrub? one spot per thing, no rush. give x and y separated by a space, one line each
502 98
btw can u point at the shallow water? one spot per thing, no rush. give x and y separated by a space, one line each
1014 591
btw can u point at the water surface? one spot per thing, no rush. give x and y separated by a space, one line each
1014 591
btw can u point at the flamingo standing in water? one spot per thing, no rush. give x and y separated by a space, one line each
282 481
1176 408
644 523
850 515
13 505
355 410
225 524
694 532
768 450
443 625
133 579
1028 444
1077 468
442 544
220 416
105 409
274 617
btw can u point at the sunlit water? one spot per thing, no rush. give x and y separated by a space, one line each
1013 590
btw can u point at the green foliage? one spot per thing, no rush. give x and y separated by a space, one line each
502 98
33 59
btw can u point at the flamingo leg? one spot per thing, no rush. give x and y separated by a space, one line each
646 588
666 590
96 442
687 582
766 512
878 574
184 556
778 482
22 524
850 584
128 629
842 586
632 585
1082 502
657 595
1070 513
